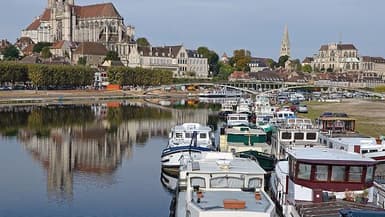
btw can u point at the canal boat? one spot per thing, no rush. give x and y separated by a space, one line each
188 140
322 181
338 132
293 132
221 185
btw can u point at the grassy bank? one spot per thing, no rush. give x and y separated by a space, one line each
369 115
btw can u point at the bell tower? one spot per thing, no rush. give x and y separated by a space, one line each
53 3
285 44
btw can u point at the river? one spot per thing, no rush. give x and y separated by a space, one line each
94 160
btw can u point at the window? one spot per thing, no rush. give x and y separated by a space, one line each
178 135
286 135
198 181
321 173
298 136
226 182
188 135
355 174
369 174
338 174
311 136
255 183
304 171
202 135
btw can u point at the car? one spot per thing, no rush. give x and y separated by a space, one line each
302 109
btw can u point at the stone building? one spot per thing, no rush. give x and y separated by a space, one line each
337 58
373 68
63 20
177 59
93 52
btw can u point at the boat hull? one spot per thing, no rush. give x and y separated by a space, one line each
172 157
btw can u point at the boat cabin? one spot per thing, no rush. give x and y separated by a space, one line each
336 124
319 181
182 135
220 184
294 132
237 119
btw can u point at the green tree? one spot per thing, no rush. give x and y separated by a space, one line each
46 53
241 58
212 58
40 45
143 42
271 63
112 55
11 53
307 68
282 60
82 61
224 71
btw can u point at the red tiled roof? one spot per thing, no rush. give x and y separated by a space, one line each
57 45
91 48
346 47
46 15
34 25
98 10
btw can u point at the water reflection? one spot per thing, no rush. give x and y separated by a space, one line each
89 141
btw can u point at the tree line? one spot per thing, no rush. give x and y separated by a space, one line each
139 76
46 75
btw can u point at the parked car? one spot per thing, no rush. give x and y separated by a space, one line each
302 109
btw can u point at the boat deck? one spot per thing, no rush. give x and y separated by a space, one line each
213 201
330 209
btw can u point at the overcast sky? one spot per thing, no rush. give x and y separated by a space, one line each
225 25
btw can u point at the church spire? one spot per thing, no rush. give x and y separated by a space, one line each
285 44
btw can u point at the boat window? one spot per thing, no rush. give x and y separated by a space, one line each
226 182
355 174
203 135
338 174
304 171
242 118
179 135
369 174
298 136
311 136
364 151
373 150
255 183
188 135
286 135
321 173
198 181
233 118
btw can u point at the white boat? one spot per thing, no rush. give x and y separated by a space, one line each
237 119
243 106
338 132
221 185
221 93
188 140
321 182
294 132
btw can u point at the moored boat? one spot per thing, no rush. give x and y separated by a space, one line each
221 185
322 181
188 140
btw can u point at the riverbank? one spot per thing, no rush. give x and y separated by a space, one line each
60 96
369 115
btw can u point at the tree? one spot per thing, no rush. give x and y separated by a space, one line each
82 61
271 63
212 58
240 60
40 45
46 53
224 71
112 55
11 53
282 60
307 68
143 42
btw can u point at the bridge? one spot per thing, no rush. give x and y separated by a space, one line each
257 87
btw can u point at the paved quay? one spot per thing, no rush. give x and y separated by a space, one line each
60 96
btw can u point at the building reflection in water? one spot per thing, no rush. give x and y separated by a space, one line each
95 149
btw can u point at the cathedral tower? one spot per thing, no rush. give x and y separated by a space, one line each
285 44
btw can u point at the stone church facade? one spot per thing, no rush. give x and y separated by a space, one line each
63 20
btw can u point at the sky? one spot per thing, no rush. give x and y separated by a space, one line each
226 25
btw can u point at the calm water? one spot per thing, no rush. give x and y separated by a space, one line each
88 160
